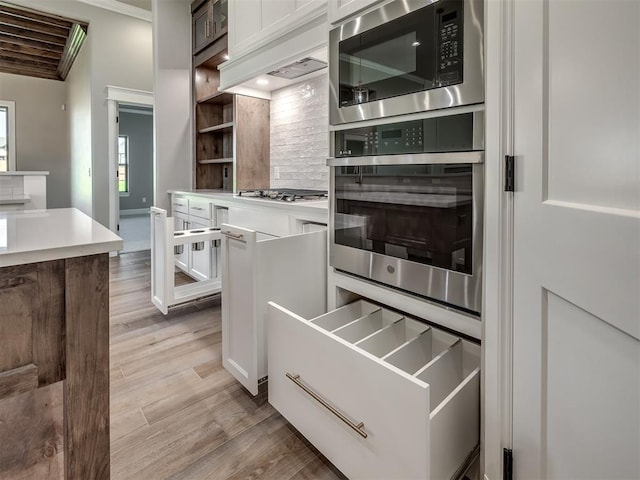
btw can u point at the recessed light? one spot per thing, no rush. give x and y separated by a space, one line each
415 44
262 81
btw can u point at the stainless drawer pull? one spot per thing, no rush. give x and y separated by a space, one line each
237 236
197 208
359 428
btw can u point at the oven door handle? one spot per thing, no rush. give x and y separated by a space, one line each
409 159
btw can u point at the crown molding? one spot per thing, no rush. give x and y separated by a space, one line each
120 7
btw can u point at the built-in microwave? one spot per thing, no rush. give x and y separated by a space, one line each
407 56
406 206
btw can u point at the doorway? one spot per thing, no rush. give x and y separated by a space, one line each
135 175
131 165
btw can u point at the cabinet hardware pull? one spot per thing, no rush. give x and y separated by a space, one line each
197 246
237 236
357 427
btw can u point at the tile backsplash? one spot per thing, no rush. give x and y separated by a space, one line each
299 135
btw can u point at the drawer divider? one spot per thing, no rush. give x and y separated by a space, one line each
357 427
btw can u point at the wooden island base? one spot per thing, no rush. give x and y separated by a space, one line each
54 369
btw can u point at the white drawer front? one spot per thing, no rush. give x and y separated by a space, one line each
394 410
200 209
179 204
420 423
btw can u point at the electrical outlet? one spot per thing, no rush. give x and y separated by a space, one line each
144 199
276 173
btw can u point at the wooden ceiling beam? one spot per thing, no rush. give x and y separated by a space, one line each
21 68
24 42
36 52
38 44
35 16
32 35
26 57
6 19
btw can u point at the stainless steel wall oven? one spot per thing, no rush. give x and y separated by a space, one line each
406 206
407 56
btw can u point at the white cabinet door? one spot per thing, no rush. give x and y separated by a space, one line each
257 22
341 9
239 302
576 332
256 269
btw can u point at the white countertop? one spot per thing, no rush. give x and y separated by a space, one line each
228 198
29 236
23 173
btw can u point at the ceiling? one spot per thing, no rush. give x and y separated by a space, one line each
38 44
144 4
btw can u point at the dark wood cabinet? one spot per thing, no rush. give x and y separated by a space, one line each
231 147
209 22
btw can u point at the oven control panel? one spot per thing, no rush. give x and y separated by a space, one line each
440 134
449 47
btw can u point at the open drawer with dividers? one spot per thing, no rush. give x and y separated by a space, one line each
381 395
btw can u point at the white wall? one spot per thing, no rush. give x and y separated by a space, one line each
42 131
79 108
120 54
172 94
299 135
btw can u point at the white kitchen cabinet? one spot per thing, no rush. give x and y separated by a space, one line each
267 34
257 268
380 395
201 259
257 22
338 10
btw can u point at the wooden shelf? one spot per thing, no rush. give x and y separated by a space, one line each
223 128
215 160
218 98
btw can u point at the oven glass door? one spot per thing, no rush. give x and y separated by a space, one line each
419 51
420 213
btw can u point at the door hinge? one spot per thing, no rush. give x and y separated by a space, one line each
117 119
507 464
118 228
509 173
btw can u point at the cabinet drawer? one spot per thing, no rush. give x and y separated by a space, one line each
179 204
392 398
275 224
200 209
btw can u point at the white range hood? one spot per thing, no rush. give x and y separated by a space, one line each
280 63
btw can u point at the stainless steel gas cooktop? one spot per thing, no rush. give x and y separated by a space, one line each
285 194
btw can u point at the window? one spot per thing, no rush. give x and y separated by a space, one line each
123 163
7 136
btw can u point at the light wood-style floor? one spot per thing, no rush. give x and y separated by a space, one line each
175 411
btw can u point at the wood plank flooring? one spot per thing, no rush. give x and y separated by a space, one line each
175 411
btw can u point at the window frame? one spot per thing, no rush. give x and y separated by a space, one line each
10 105
124 193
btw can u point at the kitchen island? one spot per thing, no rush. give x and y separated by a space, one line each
54 360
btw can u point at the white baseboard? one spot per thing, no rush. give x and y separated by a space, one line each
134 211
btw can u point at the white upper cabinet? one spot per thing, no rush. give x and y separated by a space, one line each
341 9
257 22
265 35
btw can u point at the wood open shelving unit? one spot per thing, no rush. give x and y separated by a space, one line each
231 148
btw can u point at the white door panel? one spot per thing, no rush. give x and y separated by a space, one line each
576 332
